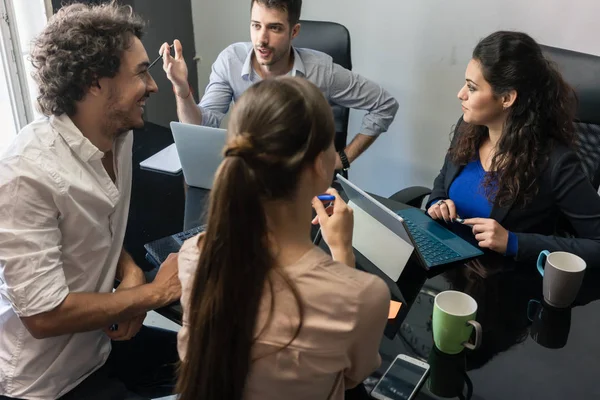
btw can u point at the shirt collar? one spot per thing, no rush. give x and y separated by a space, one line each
75 139
298 68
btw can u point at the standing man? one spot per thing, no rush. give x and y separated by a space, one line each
65 185
273 26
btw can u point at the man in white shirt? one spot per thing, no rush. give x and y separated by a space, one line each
65 185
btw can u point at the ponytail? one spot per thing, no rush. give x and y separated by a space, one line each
227 288
277 128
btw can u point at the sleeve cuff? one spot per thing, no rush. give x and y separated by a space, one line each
512 246
370 129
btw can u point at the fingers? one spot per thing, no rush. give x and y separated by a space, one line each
320 210
117 334
434 212
451 210
475 221
126 330
445 212
480 237
339 202
134 327
485 244
328 209
161 51
178 49
170 257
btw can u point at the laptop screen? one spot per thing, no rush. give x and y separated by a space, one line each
378 234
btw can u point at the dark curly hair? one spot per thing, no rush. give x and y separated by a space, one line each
80 45
541 116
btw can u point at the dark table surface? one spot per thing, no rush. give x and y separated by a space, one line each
557 356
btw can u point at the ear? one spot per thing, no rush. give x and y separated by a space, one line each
295 30
508 99
96 88
319 166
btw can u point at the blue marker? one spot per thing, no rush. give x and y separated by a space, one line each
326 197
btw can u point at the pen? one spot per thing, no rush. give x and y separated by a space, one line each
461 221
157 58
326 197
322 197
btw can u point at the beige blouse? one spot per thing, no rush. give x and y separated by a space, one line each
345 313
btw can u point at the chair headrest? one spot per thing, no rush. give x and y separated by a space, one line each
582 72
328 37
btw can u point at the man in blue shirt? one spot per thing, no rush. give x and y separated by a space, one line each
274 23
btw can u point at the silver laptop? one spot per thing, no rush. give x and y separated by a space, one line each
379 233
200 150
434 244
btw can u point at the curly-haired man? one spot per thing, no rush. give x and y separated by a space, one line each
65 186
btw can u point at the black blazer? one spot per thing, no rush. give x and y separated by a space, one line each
564 190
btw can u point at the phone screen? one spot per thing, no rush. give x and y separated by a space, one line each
400 380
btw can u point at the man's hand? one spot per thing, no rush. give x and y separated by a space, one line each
176 68
127 329
167 279
489 233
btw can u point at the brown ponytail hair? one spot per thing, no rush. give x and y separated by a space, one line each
277 127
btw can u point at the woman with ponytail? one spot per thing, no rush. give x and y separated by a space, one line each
512 171
268 315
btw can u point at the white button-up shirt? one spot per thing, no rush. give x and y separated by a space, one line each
62 224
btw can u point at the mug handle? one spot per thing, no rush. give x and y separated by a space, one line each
541 261
478 332
461 396
530 315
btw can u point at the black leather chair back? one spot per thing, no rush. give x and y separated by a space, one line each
582 72
333 39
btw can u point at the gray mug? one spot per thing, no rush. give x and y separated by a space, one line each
563 273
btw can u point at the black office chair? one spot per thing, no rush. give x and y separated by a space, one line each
333 39
582 72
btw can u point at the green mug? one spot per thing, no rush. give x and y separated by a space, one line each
453 322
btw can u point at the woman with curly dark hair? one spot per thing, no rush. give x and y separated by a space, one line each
511 169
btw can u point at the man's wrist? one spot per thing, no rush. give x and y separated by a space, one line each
179 94
344 160
164 295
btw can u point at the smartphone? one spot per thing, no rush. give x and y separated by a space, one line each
402 380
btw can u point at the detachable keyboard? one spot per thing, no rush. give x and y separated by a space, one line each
432 250
158 250
185 235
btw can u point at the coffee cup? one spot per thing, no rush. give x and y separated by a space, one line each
563 273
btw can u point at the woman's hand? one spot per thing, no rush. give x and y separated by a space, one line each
489 233
337 228
443 209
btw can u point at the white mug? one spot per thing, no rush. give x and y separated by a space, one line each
563 273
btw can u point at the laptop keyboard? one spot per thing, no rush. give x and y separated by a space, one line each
185 235
432 250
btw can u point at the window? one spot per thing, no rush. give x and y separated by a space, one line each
20 22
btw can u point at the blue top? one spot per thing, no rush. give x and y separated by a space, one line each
232 74
467 193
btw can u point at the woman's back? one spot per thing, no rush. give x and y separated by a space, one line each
345 311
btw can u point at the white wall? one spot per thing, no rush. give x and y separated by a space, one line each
418 51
